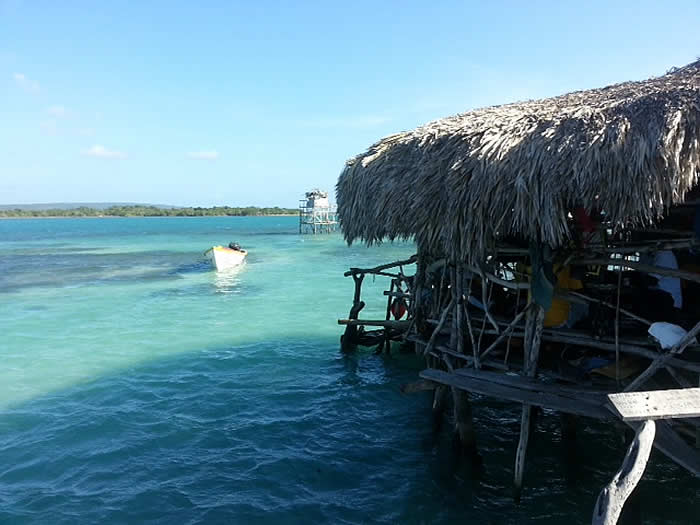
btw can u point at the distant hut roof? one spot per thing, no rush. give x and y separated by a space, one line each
316 194
455 184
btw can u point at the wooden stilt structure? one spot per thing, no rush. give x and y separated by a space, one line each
530 200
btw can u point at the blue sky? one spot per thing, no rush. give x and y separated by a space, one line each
244 103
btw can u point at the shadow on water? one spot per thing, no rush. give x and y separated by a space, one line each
198 266
291 431
69 270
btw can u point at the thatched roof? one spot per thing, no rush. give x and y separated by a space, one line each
456 184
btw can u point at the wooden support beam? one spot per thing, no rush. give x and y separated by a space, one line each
646 268
663 359
506 331
439 404
531 351
358 287
560 336
387 335
612 498
609 305
438 328
347 340
376 269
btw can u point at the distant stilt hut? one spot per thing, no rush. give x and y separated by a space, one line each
317 214
554 239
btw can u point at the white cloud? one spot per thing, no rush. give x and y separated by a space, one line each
25 83
58 111
356 121
103 153
204 155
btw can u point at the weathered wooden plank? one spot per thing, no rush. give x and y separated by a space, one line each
516 381
378 322
657 404
542 398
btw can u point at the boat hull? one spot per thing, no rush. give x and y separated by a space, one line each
223 258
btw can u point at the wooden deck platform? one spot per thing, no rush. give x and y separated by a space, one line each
516 388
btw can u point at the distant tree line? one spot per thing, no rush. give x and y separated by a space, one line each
151 211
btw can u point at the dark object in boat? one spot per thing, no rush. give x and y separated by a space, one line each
374 337
234 246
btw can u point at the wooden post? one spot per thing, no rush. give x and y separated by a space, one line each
569 449
535 318
439 403
612 498
387 336
568 428
347 340
464 424
416 304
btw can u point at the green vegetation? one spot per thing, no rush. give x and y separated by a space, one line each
150 211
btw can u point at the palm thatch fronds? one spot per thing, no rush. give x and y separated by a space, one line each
457 184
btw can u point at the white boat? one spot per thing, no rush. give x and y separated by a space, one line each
223 257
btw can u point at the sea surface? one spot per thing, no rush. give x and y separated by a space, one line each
139 386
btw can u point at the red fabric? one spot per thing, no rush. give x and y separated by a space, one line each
398 308
583 220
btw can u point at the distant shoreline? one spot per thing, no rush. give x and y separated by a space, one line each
34 217
140 210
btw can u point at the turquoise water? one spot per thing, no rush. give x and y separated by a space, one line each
137 385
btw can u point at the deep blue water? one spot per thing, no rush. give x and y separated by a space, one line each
139 386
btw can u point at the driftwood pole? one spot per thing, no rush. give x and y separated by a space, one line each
612 498
533 336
